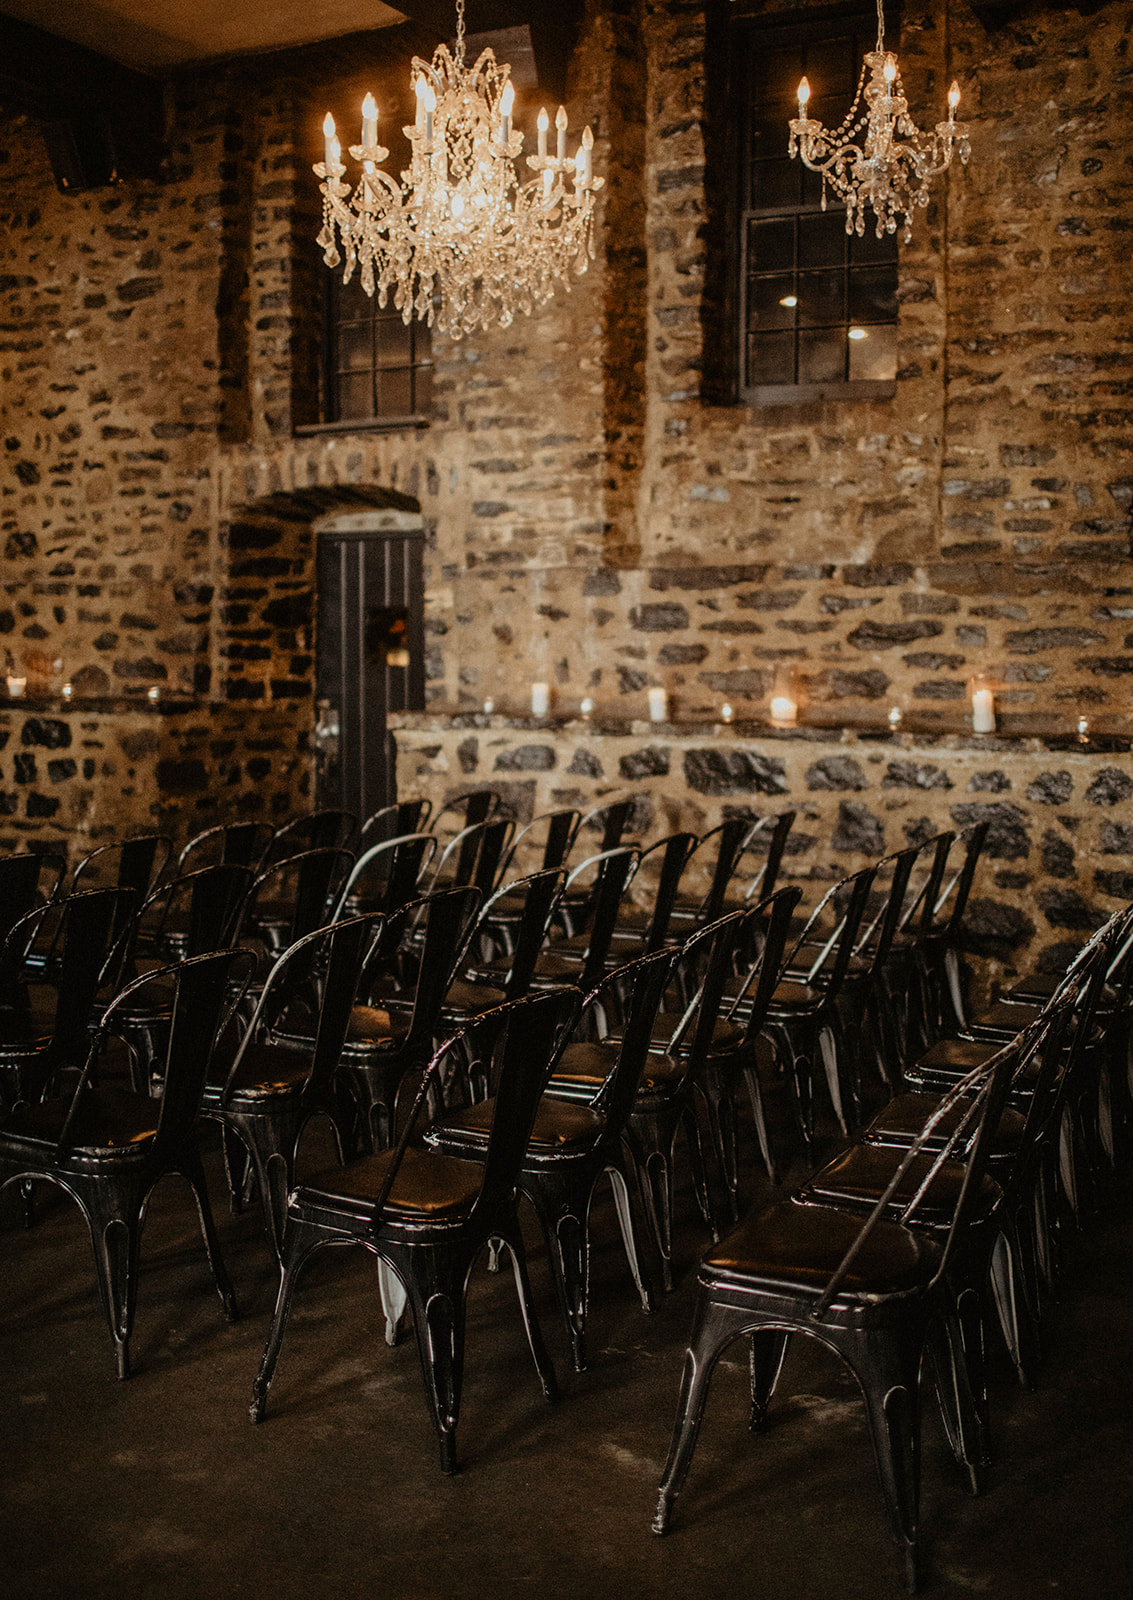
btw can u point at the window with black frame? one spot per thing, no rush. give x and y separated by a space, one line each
818 306
377 368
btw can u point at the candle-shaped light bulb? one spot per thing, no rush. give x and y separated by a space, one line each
953 97
419 90
542 122
369 122
804 96
890 70
983 710
507 101
329 139
561 128
430 106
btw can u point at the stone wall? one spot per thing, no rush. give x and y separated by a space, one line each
593 521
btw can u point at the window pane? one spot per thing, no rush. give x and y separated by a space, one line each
765 308
354 349
355 396
771 245
422 389
395 393
832 67
873 294
353 301
822 356
393 342
777 182
875 356
869 248
821 298
770 358
822 240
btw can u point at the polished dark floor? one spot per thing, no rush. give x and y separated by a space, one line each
161 1487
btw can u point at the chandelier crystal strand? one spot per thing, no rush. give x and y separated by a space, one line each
460 241
878 156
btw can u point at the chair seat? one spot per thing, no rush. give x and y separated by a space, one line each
581 1071
373 1028
561 1129
110 1123
469 999
948 1060
903 1118
266 1072
1002 1021
790 996
796 1249
858 1177
429 1187
24 1033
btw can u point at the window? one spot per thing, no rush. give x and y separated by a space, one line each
818 306
376 369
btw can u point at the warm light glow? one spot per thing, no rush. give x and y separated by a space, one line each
954 96
789 300
784 708
328 126
507 100
890 69
983 711
856 333
804 95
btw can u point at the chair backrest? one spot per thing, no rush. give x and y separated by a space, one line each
765 930
556 829
204 1001
540 893
953 899
327 829
876 941
921 909
675 853
770 832
444 921
516 1046
387 875
202 906
614 873
135 863
328 964
638 988
393 822
19 894
237 844
849 899
301 889
474 855
612 818
723 846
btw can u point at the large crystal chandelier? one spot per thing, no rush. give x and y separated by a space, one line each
889 168
461 241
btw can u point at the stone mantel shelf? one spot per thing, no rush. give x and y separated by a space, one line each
439 720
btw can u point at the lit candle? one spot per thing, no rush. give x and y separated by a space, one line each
584 155
17 687
419 90
983 711
540 699
561 126
726 712
154 694
894 716
658 705
586 706
489 706
953 98
804 96
430 107
784 710
330 142
369 122
1083 727
507 100
67 691
542 122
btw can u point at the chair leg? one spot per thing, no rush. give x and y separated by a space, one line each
194 1174
623 1204
888 1371
115 1235
270 1143
755 1095
714 1327
299 1241
543 1363
565 1229
768 1350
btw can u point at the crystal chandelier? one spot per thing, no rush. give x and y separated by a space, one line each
881 171
461 241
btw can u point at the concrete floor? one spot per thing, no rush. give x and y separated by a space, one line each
161 1487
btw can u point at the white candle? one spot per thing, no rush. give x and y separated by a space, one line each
507 100
561 127
540 699
658 705
154 694
586 706
430 107
725 712
783 709
16 687
894 716
582 171
489 706
329 141
1083 727
983 711
67 691
804 96
542 122
369 122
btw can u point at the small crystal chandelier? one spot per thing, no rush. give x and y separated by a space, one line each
881 171
461 241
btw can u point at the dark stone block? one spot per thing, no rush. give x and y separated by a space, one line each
182 777
527 758
939 689
1051 789
1106 666
1065 908
7 620
288 611
253 535
1058 855
651 762
659 617
722 772
929 605
877 577
243 689
89 767
1006 879
752 682
257 769
145 668
1007 838
60 770
915 775
933 661
136 746
585 765
601 581
47 731
993 929
989 782
630 681
836 772
682 655
135 289
919 830
869 685
704 577
1032 641
28 473
42 805
9 805
21 547
1109 788
1117 839
25 770
91 681
1119 884
858 830
769 599
468 754
886 635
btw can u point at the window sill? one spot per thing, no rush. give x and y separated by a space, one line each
364 425
788 394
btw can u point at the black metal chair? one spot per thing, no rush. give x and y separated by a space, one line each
547 838
394 822
874 1291
427 1217
572 1145
22 889
327 829
293 897
266 1091
639 930
237 844
610 821
582 958
387 875
108 1148
767 837
480 986
719 851
133 865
